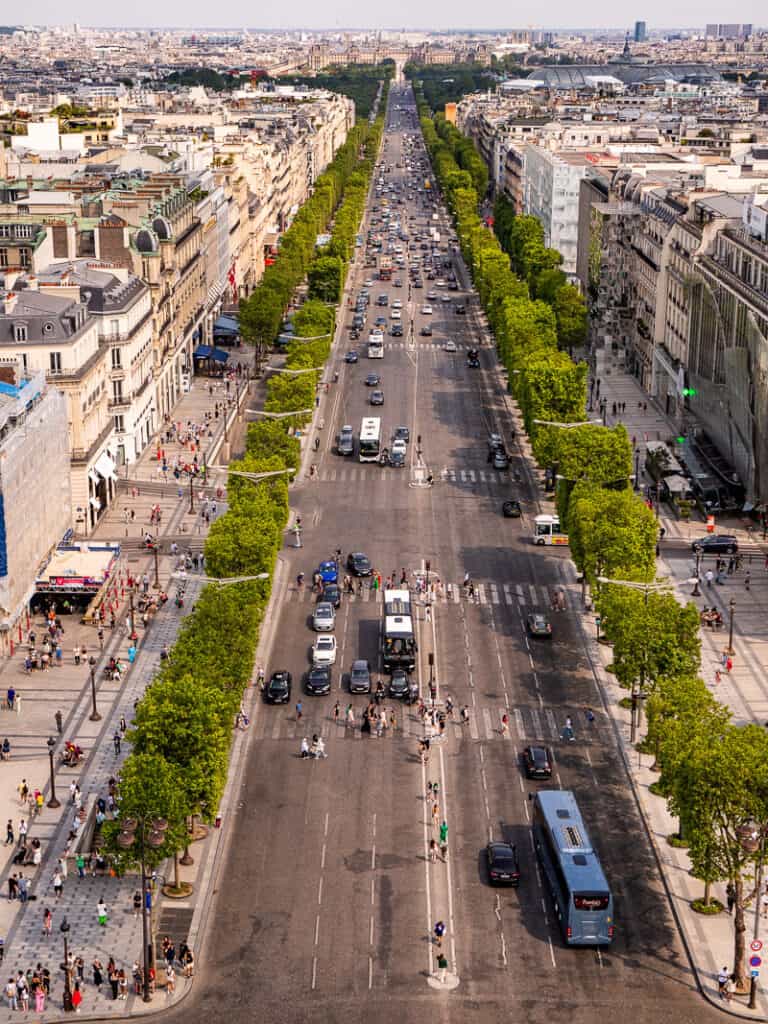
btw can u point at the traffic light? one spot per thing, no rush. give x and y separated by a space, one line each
679 440
689 392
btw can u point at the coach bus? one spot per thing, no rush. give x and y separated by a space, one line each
370 439
580 894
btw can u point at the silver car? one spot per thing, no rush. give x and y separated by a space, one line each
324 618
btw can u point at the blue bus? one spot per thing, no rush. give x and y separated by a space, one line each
580 894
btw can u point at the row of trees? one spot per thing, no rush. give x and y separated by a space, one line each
262 313
439 84
182 732
358 81
714 773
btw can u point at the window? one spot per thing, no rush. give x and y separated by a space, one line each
117 391
20 332
24 257
55 358
3 257
119 424
23 230
114 328
117 362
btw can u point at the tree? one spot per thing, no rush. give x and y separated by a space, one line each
571 316
612 533
325 278
653 636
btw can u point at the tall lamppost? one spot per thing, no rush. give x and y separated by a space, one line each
731 609
53 802
752 838
133 830
64 926
94 715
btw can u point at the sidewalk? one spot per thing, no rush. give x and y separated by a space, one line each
67 688
709 940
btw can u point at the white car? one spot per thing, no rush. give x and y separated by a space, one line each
396 314
445 298
324 650
450 346
426 310
399 446
397 304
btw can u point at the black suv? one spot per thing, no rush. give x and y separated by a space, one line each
537 762
716 544
278 689
359 564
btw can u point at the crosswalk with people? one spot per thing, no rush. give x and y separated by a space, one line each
526 724
346 472
524 595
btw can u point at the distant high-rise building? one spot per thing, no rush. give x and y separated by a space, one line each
641 32
729 31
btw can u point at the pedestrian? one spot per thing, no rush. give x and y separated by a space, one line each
170 980
10 994
80 864
444 832
137 903
730 897
58 884
299 711
747 579
730 988
101 912
116 740
23 790
709 577
504 724
435 813
336 712
98 972
729 664
77 998
439 931
304 748
122 984
123 725
444 852
350 716
47 923
568 730
465 715
442 968
9 839
433 851
764 901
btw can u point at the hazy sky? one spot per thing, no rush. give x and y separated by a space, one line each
436 14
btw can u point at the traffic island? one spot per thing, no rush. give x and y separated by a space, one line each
445 983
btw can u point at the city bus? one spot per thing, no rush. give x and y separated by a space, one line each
398 641
370 439
546 530
581 898
376 345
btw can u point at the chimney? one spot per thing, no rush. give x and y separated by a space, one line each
10 303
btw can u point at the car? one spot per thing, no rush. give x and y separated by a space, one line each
397 304
499 459
450 346
473 362
401 434
354 333
495 441
537 762
324 617
418 283
331 594
460 308
329 571
397 314
278 689
397 283
716 544
426 331
431 294
368 282
318 681
345 442
453 286
445 298
426 310
377 398
382 300
503 865
396 460
399 446
372 380
359 564
324 649
399 684
511 509
538 624
381 321
397 330
360 677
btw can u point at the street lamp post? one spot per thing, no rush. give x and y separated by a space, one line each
65 966
752 838
53 802
731 609
133 829
94 715
696 592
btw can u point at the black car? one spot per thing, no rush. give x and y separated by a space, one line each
401 434
318 681
372 380
511 509
399 685
396 331
354 334
278 689
332 594
426 331
360 677
503 866
537 762
473 362
461 308
716 544
359 564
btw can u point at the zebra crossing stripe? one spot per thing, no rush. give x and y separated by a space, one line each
536 723
508 598
519 727
534 595
552 723
519 591
494 593
480 594
487 723
473 727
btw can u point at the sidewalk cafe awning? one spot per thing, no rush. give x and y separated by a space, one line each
202 352
219 355
226 325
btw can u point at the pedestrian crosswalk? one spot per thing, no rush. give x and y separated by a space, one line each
526 724
432 345
349 473
523 595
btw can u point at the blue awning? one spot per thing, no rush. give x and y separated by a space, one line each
219 355
226 325
202 352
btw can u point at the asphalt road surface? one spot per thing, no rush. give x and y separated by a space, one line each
327 901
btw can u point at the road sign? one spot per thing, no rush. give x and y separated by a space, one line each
756 946
755 961
754 973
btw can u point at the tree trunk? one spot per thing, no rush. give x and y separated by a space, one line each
707 893
739 941
176 879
